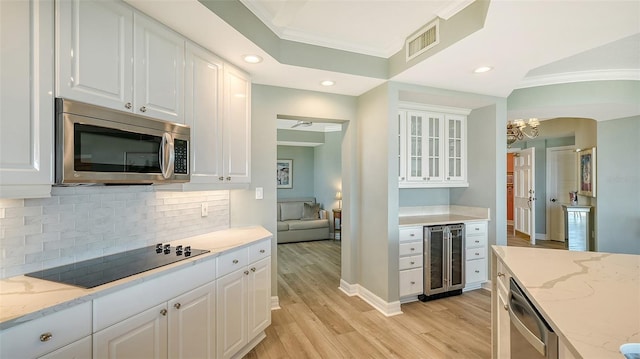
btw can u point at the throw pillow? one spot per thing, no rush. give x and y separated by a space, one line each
311 211
290 210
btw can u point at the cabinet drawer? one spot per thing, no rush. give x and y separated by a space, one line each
410 282
234 260
412 248
476 241
476 253
64 327
125 303
411 233
472 228
259 250
476 271
411 262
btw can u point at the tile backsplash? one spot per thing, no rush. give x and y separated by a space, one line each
78 223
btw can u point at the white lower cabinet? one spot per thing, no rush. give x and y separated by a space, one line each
476 265
410 263
48 334
76 350
244 302
183 327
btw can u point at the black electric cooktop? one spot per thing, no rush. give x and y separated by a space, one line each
98 271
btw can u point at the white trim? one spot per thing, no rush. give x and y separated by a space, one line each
487 285
275 303
299 143
413 298
386 308
453 8
580 76
252 344
541 236
472 286
434 108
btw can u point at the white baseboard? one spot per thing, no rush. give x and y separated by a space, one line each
541 236
487 285
386 308
247 348
275 303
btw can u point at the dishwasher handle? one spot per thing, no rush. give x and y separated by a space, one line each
519 303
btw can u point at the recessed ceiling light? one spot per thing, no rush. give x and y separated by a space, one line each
252 59
327 83
482 69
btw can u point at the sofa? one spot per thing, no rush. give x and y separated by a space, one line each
301 219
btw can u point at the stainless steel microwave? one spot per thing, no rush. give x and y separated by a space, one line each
99 145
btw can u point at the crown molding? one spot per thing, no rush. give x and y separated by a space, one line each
453 8
580 76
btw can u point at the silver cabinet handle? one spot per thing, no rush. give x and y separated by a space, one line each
506 307
262 251
127 105
229 178
477 229
412 282
402 178
235 261
220 178
412 235
413 262
500 274
143 109
413 249
246 272
477 241
46 337
477 253
177 305
163 312
253 269
424 178
477 271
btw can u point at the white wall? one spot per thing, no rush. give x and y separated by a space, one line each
618 186
78 223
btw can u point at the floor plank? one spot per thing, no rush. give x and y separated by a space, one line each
317 320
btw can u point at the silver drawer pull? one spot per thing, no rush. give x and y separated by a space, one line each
477 271
253 269
163 312
506 307
412 235
500 274
413 262
412 282
246 272
413 249
477 241
477 253
477 228
177 305
46 337
235 261
262 251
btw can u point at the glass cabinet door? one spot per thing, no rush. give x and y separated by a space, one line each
456 250
455 148
416 148
435 246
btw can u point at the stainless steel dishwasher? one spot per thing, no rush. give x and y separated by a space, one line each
531 336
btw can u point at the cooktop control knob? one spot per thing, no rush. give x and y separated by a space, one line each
159 248
187 251
179 250
167 249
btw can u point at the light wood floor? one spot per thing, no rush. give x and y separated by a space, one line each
521 240
317 320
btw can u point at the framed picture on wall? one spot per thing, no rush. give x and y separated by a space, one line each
587 172
284 173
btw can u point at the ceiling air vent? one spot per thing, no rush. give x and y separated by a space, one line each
423 40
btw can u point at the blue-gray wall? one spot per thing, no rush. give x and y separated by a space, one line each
412 197
303 171
328 170
618 186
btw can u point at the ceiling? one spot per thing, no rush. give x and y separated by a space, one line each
528 43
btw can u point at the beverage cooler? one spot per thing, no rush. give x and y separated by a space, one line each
443 261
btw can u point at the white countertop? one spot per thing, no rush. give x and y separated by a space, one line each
24 298
590 299
435 219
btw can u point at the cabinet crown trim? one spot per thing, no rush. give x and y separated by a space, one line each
434 108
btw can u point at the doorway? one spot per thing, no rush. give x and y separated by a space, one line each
561 179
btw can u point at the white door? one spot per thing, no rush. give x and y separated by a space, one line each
416 127
237 126
141 336
259 313
159 70
524 199
192 324
203 112
561 179
231 304
94 50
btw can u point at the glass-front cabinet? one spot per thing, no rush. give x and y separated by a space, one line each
431 148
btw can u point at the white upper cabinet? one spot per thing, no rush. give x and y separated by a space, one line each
237 126
158 56
112 56
431 148
203 113
26 98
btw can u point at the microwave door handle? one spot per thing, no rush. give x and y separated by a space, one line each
172 158
166 148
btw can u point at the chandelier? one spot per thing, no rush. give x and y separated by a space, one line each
516 130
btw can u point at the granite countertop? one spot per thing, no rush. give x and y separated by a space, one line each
24 298
590 299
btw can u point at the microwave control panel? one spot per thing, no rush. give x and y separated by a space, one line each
181 159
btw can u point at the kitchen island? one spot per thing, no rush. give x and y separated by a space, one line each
591 300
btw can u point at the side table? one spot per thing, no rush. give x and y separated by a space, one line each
337 230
